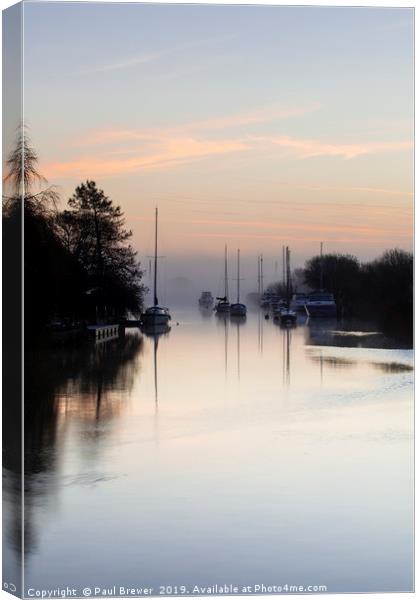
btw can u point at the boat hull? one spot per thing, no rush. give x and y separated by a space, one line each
223 307
238 310
156 315
288 317
156 319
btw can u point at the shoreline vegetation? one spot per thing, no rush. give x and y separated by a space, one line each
380 290
81 269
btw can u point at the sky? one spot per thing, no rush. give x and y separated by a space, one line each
255 126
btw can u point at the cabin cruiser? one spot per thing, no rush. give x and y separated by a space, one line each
321 304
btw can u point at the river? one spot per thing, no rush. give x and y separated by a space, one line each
221 452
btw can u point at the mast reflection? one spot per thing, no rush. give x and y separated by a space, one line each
287 338
238 320
155 332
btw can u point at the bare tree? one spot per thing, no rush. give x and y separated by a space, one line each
23 178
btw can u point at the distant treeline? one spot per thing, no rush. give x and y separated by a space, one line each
380 289
79 266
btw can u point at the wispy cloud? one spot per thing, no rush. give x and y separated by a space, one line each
359 189
126 63
129 149
309 148
144 58
263 114
168 153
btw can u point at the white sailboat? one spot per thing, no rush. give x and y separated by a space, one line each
238 309
156 315
223 304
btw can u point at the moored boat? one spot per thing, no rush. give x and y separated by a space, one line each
206 299
223 304
287 315
321 304
238 309
156 315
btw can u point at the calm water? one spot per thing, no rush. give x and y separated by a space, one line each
221 453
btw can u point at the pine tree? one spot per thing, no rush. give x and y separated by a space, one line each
94 231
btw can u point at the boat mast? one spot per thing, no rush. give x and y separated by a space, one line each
262 276
259 277
237 289
226 275
288 276
321 270
284 268
155 300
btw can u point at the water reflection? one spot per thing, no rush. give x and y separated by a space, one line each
86 384
260 321
206 312
352 333
263 434
155 332
286 332
238 321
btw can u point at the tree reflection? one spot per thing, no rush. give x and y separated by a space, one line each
88 384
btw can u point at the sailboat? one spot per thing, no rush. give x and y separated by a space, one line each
238 309
255 297
223 305
155 315
287 315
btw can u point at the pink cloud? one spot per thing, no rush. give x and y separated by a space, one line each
166 153
172 146
260 115
304 148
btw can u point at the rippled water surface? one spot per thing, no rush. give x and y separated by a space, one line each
221 452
